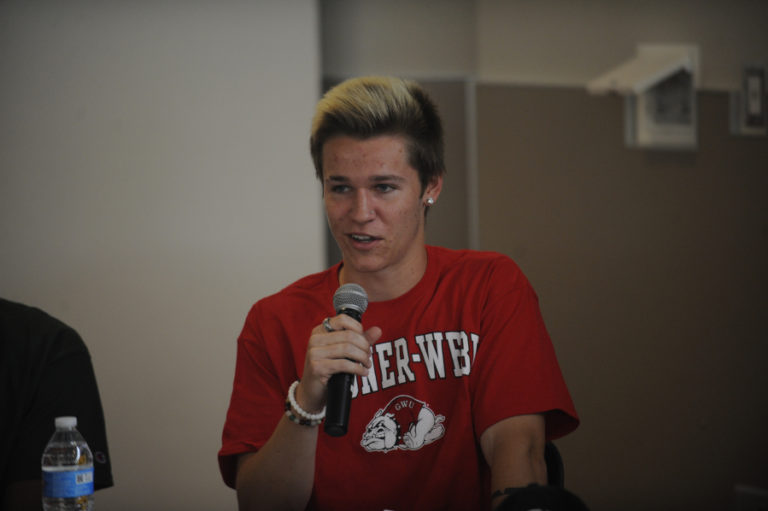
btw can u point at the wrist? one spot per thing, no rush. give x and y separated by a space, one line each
297 414
304 402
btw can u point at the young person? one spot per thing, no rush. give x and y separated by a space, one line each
456 384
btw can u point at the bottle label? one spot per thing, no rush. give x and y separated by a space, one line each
64 483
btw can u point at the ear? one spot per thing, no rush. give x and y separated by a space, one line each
433 189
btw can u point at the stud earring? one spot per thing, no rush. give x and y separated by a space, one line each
430 201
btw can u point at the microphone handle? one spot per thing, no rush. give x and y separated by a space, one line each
339 395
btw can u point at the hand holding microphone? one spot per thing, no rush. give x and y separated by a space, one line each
336 347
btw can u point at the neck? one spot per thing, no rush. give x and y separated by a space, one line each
389 283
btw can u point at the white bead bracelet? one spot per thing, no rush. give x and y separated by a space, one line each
312 417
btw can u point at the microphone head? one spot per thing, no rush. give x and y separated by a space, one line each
350 296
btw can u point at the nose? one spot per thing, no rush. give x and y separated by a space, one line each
362 207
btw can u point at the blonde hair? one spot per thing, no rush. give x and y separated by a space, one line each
375 105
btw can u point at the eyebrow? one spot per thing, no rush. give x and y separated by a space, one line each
374 179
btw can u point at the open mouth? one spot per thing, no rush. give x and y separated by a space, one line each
362 238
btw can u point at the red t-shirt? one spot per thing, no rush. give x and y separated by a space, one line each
462 350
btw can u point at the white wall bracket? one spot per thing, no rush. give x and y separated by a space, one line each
659 86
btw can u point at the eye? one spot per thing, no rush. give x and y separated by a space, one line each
339 188
384 187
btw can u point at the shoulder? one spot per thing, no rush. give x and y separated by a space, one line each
466 256
33 331
14 314
475 264
34 338
299 295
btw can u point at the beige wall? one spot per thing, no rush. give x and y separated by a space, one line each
542 42
449 220
568 43
435 38
650 268
154 182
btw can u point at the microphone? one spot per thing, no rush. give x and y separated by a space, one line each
349 299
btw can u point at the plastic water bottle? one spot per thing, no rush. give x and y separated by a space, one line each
67 465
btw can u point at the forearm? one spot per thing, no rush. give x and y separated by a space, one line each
522 463
281 474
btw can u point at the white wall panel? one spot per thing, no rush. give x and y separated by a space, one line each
155 181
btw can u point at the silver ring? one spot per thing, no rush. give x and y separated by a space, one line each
327 325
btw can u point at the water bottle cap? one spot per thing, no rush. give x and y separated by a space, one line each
66 422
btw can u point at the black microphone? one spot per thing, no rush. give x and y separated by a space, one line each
349 299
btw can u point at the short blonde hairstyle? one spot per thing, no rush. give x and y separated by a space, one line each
376 105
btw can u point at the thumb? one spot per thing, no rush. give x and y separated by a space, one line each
373 334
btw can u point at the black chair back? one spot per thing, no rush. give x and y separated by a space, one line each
554 462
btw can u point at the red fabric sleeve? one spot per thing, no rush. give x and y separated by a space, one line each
516 371
257 400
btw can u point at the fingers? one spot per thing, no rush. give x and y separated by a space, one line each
345 349
339 351
345 342
340 322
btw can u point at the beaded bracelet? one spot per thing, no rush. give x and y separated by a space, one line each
298 420
304 418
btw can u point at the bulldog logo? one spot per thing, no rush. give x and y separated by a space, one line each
405 423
